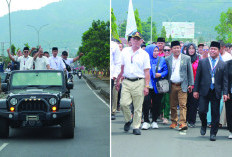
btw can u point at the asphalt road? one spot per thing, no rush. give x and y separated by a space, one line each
92 132
165 142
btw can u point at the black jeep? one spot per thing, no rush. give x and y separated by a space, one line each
37 98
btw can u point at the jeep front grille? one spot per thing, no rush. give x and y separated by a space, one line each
32 106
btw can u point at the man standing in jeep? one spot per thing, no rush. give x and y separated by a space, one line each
56 62
67 60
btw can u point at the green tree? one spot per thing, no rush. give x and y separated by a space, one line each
224 29
122 29
170 38
114 26
146 30
13 48
163 32
138 21
96 46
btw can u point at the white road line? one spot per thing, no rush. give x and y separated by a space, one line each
3 146
97 95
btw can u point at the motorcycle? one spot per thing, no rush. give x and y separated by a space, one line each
79 74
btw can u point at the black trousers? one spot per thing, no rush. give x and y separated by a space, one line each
229 113
192 105
155 106
215 110
111 92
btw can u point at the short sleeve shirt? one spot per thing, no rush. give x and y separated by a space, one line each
135 62
56 63
41 63
25 63
68 61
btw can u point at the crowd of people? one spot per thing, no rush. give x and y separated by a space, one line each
37 59
154 81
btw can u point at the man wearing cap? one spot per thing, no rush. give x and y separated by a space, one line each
56 62
180 74
160 44
135 70
210 82
41 62
67 60
26 61
200 48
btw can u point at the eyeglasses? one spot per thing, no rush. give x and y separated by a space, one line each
205 49
166 50
25 51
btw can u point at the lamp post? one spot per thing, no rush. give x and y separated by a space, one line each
8 4
151 20
37 30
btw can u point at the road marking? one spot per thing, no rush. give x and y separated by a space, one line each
97 95
3 146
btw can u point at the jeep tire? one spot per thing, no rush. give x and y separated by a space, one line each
4 128
67 125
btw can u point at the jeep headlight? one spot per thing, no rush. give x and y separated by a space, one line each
13 101
52 101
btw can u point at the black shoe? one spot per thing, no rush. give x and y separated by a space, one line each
127 126
113 117
136 132
212 137
203 130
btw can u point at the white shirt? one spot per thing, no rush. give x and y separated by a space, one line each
175 77
226 57
41 63
115 60
25 63
56 63
135 63
68 61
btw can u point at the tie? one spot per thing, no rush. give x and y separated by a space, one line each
212 73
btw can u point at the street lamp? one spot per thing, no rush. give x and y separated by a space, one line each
151 20
37 30
8 4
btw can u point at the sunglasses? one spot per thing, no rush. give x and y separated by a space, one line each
25 51
166 50
205 49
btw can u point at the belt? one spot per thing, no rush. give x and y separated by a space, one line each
176 84
135 79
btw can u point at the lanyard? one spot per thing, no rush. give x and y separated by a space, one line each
213 68
133 54
25 59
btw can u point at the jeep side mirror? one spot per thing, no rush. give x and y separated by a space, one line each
69 85
4 87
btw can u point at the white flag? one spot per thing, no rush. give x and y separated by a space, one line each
131 24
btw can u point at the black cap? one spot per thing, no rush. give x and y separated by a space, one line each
25 48
215 44
46 52
129 38
175 43
201 44
137 34
64 53
54 49
161 39
143 45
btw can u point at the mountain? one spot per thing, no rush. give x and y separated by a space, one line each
205 13
67 21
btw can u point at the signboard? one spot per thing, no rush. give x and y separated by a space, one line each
179 29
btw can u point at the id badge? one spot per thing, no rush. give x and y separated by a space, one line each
212 80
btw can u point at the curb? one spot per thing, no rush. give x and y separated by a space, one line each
103 90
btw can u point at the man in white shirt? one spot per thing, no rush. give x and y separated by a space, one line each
26 61
41 62
224 54
135 70
55 62
70 60
115 68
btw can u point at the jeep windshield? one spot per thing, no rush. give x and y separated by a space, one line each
36 79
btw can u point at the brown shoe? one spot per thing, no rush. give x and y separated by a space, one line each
183 127
173 126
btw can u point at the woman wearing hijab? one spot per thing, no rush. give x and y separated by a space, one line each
192 103
162 71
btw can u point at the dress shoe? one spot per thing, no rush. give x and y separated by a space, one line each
113 117
136 132
203 130
212 137
127 126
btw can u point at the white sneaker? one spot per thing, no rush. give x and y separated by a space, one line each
145 126
154 125
230 136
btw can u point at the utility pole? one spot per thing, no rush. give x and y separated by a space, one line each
8 4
